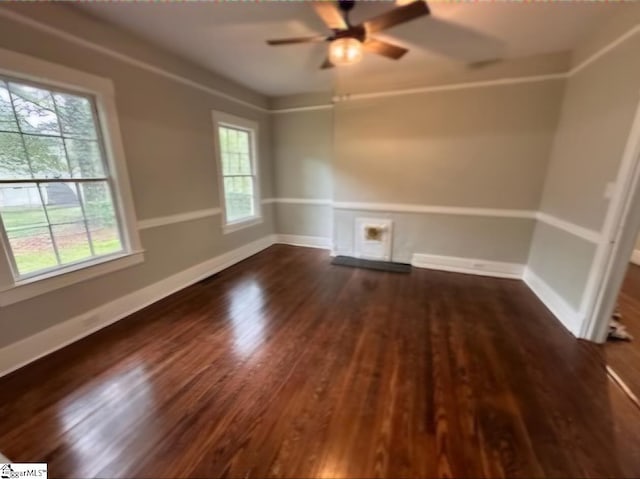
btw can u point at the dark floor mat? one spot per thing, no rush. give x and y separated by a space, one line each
370 264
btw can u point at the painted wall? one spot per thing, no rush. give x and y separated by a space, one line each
597 112
470 148
167 134
303 153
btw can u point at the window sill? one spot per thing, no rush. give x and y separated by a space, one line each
239 225
29 288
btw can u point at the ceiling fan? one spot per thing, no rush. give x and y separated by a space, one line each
347 42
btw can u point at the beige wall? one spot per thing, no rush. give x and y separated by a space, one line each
482 147
597 112
595 121
477 147
490 239
303 157
167 134
303 150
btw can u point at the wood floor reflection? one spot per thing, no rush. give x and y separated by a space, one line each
287 366
624 356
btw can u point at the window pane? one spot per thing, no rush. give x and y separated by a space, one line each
76 117
101 218
223 134
21 207
26 226
47 156
72 242
67 221
7 118
236 164
13 158
61 200
32 250
238 197
85 158
44 136
35 109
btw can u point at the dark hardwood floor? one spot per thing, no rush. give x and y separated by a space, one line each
287 366
623 356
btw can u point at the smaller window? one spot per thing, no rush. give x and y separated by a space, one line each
236 140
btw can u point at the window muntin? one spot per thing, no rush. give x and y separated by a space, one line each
238 173
56 200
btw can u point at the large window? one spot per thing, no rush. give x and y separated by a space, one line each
236 139
56 202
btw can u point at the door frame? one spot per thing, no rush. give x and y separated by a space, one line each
617 240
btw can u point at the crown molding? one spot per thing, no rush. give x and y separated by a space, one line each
450 87
337 98
328 106
604 50
25 20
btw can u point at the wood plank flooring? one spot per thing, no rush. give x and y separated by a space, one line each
287 366
623 356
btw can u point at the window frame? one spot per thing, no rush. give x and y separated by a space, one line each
34 71
238 123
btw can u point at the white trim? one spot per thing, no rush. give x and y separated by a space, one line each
599 298
123 57
563 311
479 267
177 218
23 352
496 82
297 109
434 209
101 90
635 257
303 201
63 277
427 89
604 50
242 224
222 119
585 233
3 459
306 241
449 87
19 65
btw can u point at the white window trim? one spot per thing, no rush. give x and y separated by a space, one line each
29 68
225 119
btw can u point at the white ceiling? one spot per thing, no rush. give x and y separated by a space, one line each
229 37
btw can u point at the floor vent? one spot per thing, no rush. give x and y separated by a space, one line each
371 264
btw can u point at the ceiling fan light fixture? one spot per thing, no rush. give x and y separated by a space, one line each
345 51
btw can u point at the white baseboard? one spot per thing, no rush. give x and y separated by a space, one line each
308 241
3 459
635 257
563 311
27 350
480 267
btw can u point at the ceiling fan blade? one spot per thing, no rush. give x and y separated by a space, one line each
290 41
326 64
396 16
330 14
385 49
